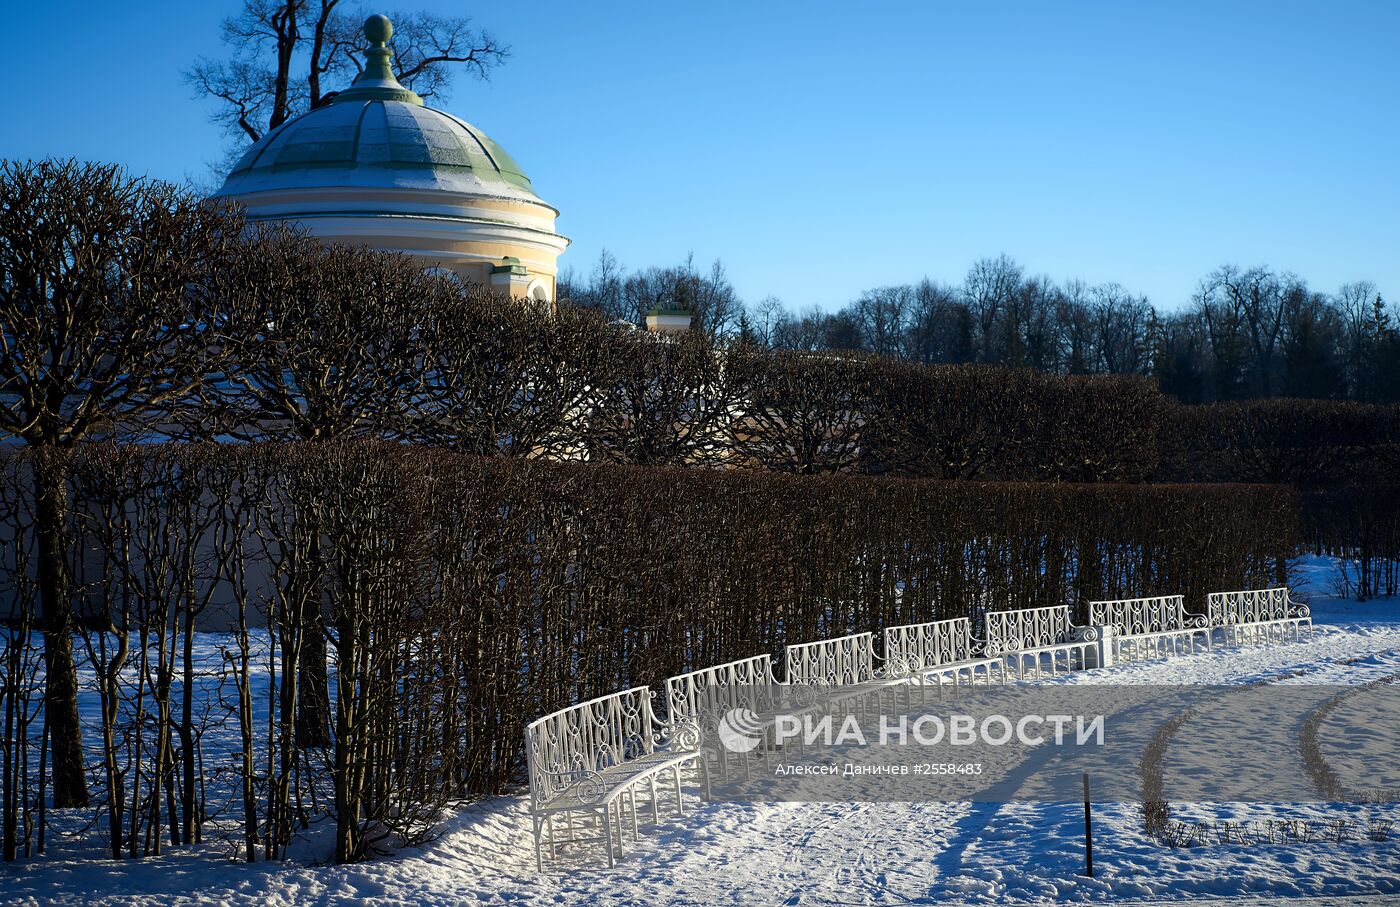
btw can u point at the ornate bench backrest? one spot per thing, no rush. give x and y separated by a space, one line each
1251 606
842 661
564 747
1027 628
714 691
1135 616
914 647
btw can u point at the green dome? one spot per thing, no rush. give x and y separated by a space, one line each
378 134
375 167
378 143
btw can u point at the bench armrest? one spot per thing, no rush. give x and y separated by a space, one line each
895 668
681 736
586 787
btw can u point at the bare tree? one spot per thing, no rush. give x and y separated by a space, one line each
1311 345
503 376
106 322
803 413
766 318
321 343
883 315
658 401
283 54
710 298
428 49
940 325
1222 318
1120 330
1243 315
805 332
1073 315
1355 302
321 339
989 289
1030 330
602 291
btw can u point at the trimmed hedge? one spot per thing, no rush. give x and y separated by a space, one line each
571 580
1294 442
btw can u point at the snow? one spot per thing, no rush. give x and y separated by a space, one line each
839 853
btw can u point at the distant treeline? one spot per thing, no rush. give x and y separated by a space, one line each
1243 334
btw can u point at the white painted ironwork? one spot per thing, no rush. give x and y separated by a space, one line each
707 695
919 646
592 758
1254 615
1251 606
842 661
713 691
1026 628
1137 616
939 651
1039 641
1153 627
587 763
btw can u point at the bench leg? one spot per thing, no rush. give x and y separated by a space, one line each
632 799
606 818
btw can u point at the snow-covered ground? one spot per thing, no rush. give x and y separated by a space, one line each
844 853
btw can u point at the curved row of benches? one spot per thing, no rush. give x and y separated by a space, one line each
595 766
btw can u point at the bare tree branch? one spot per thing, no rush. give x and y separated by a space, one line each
285 55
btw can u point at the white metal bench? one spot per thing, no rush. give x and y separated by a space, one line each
715 690
840 670
587 763
838 662
1040 641
1257 615
1153 627
940 652
707 695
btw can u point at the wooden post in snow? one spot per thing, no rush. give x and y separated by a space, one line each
1088 831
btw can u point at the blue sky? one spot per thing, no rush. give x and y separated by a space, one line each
819 149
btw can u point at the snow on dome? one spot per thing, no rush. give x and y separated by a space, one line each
374 165
378 143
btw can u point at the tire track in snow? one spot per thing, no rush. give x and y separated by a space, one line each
972 829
